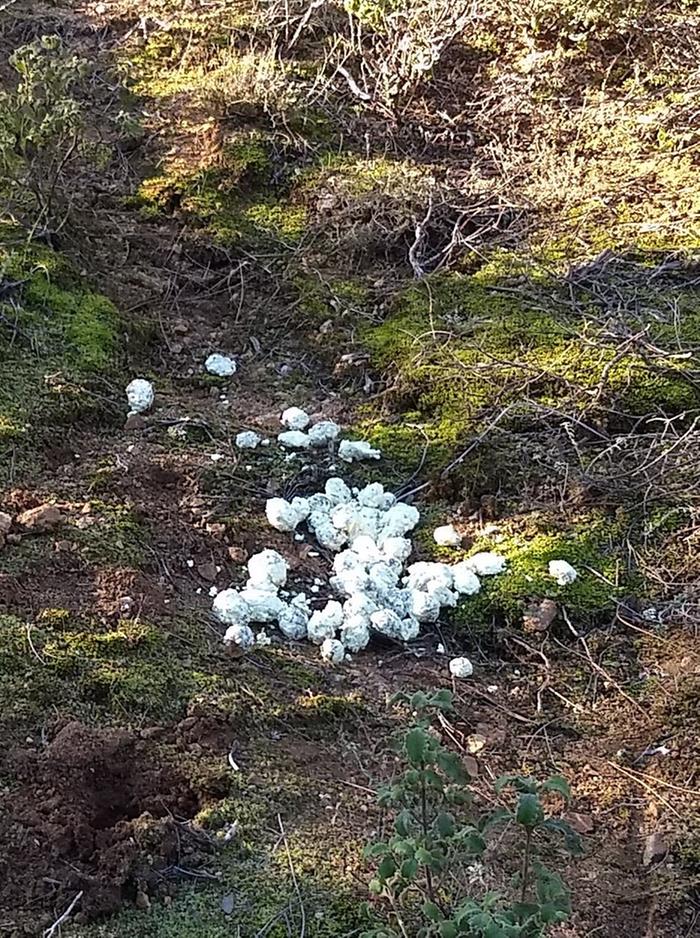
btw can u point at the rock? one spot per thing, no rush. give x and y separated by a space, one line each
475 743
207 571
135 422
539 616
655 849
181 327
42 518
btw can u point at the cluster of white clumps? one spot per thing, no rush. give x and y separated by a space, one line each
376 592
302 434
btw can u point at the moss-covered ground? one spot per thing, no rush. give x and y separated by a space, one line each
491 273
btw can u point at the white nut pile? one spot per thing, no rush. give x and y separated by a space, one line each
376 593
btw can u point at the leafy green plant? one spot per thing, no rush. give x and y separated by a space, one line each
424 868
40 126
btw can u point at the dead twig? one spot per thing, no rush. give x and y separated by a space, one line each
50 932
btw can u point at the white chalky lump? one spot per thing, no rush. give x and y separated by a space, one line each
375 592
294 439
267 570
487 563
333 650
140 394
447 536
294 418
357 450
562 571
220 365
461 667
248 439
239 635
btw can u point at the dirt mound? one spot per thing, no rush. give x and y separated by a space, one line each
94 810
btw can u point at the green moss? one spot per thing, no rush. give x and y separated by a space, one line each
235 202
91 671
111 534
594 548
462 347
264 898
57 338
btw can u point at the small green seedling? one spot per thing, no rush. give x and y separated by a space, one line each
422 868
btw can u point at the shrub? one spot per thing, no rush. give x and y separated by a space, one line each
438 836
40 125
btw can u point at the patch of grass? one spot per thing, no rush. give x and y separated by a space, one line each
462 347
263 897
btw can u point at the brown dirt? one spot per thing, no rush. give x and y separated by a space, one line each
94 810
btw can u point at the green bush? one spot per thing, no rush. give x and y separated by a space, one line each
438 835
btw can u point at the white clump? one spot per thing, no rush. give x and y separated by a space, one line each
357 450
337 491
248 439
447 536
323 433
365 546
293 621
328 535
347 560
284 515
359 605
461 667
422 574
425 607
486 563
220 365
397 549
382 576
267 567
387 623
294 439
399 520
466 581
264 604
395 599
332 650
562 571
320 503
324 623
372 495
440 592
239 635
230 608
349 582
140 394
410 629
355 633
262 639
295 418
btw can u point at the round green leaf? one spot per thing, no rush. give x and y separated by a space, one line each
529 812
